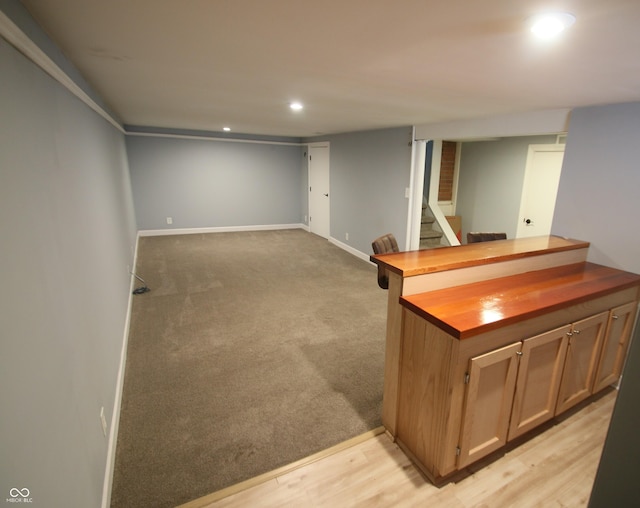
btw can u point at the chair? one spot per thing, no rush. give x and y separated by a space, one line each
383 245
485 237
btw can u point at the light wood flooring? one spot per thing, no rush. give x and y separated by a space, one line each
555 468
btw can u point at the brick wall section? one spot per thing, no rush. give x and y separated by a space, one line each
447 165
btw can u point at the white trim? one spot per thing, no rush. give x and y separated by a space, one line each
117 403
416 186
18 39
204 137
235 229
351 250
221 229
456 177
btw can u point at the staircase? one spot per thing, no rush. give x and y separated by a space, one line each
429 237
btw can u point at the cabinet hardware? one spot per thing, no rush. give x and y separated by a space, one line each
466 378
577 332
615 316
519 353
457 451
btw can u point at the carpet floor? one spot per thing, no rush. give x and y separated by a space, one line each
251 351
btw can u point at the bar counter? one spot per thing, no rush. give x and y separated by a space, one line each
415 272
412 263
472 309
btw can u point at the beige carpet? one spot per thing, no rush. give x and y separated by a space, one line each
251 351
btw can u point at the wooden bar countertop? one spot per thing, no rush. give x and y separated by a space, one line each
418 262
468 310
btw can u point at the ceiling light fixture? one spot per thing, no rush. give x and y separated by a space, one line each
547 26
296 106
226 129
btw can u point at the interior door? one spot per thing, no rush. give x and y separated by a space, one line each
319 196
538 201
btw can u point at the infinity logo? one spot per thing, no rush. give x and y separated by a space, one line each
19 492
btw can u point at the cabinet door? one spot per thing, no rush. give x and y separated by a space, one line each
585 341
539 374
614 348
488 401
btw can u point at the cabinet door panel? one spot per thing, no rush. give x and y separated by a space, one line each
581 362
616 342
539 375
488 402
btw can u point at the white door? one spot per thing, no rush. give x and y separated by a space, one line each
541 178
319 198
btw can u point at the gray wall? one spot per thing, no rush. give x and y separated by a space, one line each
598 192
369 173
490 183
205 183
598 201
202 184
68 234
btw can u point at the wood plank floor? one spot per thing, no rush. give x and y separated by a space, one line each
554 468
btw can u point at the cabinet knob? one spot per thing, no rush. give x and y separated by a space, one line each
577 332
615 316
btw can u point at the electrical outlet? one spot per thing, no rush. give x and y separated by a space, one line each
169 220
346 236
103 421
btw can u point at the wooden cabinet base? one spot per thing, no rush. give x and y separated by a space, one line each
462 400
487 343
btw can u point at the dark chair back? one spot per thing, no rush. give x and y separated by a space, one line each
383 245
485 237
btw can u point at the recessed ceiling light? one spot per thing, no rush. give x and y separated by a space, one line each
547 26
296 106
226 129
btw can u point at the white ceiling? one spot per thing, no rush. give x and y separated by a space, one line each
355 64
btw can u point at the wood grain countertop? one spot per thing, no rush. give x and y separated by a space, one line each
411 263
468 310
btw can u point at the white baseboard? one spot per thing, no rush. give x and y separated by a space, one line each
222 229
117 403
232 229
350 249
